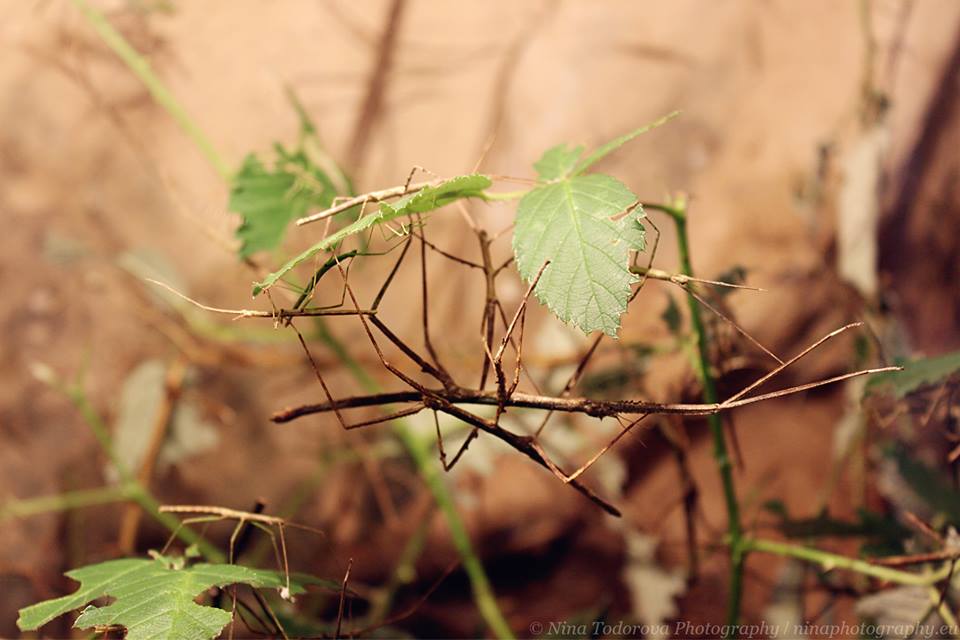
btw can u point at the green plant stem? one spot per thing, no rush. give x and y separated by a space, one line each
133 488
677 211
829 561
65 501
418 450
141 67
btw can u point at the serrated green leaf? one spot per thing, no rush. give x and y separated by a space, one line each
268 201
570 223
916 374
605 150
152 599
425 200
557 162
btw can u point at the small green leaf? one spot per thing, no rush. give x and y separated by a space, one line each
571 224
152 598
916 374
427 199
268 201
557 162
605 150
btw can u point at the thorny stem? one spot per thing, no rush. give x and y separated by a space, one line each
417 449
678 212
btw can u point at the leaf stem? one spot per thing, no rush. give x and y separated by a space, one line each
504 195
141 68
677 210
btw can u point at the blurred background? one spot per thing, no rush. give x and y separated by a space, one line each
819 143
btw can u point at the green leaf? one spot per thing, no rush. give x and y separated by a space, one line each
557 162
268 201
153 599
916 374
427 199
605 150
570 223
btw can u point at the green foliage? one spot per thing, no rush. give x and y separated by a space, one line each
423 201
570 223
916 374
883 534
268 201
573 221
929 485
153 598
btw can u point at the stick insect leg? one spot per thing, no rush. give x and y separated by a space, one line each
280 554
184 523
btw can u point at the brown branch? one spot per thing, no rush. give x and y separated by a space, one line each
587 406
376 86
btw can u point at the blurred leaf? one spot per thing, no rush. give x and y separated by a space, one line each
896 610
883 535
153 598
621 379
736 274
425 200
858 209
142 396
916 374
653 589
929 485
189 435
62 249
671 316
268 201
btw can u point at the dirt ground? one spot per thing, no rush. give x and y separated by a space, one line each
101 188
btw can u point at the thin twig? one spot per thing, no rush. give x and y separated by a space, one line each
279 314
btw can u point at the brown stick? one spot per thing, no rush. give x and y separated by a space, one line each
594 408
